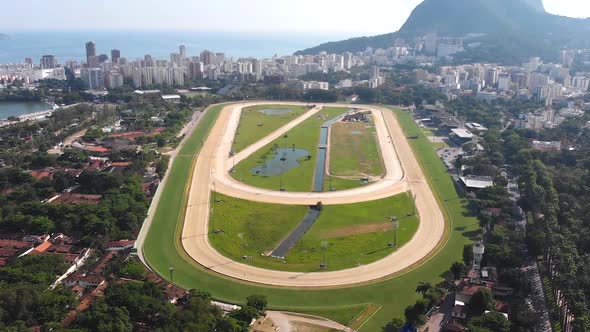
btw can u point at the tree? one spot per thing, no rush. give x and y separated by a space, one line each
103 318
423 287
257 301
41 225
245 314
395 325
434 295
415 314
457 269
481 301
492 322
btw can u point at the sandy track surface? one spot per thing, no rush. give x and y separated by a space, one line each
403 174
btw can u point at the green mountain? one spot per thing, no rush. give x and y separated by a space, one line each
522 26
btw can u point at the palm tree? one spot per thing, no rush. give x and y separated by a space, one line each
423 287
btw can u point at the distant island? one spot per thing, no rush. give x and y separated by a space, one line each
3 36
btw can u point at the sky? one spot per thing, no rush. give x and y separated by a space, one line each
310 16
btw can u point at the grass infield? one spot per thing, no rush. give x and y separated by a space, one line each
163 249
304 136
255 124
354 150
356 234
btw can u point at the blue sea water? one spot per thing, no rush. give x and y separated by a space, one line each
70 45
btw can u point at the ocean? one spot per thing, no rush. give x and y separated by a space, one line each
70 45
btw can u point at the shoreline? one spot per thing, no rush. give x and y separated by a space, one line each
35 116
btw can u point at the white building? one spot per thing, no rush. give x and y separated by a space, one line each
113 79
314 85
93 78
581 82
504 82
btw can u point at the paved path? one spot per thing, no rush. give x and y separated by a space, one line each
531 270
211 172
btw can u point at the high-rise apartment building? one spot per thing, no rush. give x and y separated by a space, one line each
113 79
257 69
48 62
207 58
93 78
196 70
115 56
176 59
148 61
182 49
90 51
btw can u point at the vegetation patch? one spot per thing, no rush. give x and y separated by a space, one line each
355 234
163 250
354 150
257 122
351 235
304 136
249 229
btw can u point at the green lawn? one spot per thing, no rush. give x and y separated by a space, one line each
354 150
162 248
252 228
304 136
356 233
255 125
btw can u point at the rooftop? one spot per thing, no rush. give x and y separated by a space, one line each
462 133
477 182
69 198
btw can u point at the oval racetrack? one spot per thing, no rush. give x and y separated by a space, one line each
403 173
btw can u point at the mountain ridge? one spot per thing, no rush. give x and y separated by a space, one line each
517 21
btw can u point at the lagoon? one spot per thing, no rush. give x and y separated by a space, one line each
10 108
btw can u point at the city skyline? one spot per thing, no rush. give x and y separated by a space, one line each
229 15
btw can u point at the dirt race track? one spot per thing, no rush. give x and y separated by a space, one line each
403 173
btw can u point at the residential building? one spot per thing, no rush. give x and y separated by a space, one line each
581 82
176 59
182 50
90 52
546 146
93 78
48 62
113 79
115 56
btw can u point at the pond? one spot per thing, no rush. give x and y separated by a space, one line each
276 111
283 160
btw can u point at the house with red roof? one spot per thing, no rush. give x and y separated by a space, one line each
84 280
75 199
120 245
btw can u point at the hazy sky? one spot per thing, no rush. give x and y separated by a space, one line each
341 16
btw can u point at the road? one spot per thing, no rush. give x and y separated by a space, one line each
403 174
